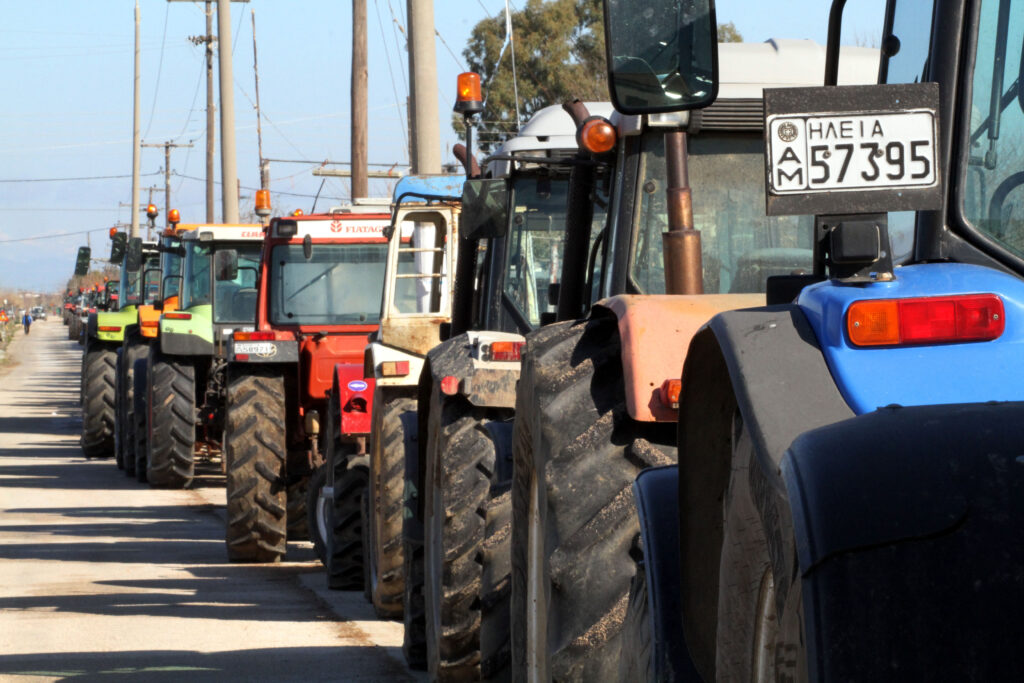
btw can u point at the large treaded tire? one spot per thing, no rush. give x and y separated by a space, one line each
99 375
414 616
459 471
347 474
131 354
317 513
140 418
255 451
496 589
298 520
390 440
119 420
637 663
576 454
172 421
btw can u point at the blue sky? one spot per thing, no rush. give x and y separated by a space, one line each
66 75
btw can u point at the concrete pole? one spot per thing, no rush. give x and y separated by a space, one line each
426 128
136 138
360 184
228 160
210 114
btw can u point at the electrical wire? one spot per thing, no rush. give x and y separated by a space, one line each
64 180
254 189
391 76
56 234
159 70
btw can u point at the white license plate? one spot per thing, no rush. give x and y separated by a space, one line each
256 348
826 152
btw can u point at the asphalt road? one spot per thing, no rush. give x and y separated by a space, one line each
105 578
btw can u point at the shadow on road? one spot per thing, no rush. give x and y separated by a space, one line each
360 663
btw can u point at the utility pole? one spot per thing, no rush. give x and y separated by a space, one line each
211 109
360 184
228 161
167 172
426 129
136 150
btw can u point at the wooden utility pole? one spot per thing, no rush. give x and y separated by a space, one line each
228 160
426 129
360 124
136 150
167 172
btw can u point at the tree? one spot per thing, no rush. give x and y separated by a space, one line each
559 53
727 33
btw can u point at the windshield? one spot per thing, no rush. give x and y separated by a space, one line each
235 299
535 243
741 246
170 267
340 284
993 184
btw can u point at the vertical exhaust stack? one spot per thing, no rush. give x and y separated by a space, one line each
684 267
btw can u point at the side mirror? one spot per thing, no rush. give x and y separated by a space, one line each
484 209
118 243
553 289
225 264
133 255
82 261
662 54
307 247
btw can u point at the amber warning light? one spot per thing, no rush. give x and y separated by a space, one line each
173 217
469 101
151 211
596 135
262 203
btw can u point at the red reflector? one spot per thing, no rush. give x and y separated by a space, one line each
109 328
394 368
178 316
926 320
92 310
506 351
669 392
254 336
242 357
151 323
450 385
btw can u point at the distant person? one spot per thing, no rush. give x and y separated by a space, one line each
26 320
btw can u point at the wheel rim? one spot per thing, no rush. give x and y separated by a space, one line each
320 512
536 627
766 630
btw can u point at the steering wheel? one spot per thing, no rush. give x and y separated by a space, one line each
995 205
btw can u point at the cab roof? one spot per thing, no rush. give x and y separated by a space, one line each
347 227
221 232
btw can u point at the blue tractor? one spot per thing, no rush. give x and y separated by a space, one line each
849 498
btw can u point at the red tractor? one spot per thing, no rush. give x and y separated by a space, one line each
318 299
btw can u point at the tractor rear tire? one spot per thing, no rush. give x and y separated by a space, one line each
414 642
298 520
576 455
255 452
495 592
391 437
461 461
126 386
637 663
316 512
171 397
99 375
343 514
139 432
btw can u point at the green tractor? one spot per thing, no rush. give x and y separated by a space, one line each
104 334
186 371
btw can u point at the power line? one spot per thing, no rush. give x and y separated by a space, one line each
253 189
63 180
57 234
159 70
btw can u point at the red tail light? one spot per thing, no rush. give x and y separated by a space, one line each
505 351
394 368
109 328
254 336
150 323
669 392
178 316
926 320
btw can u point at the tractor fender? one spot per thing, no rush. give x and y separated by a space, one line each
656 494
376 354
912 516
646 323
485 383
355 398
765 365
